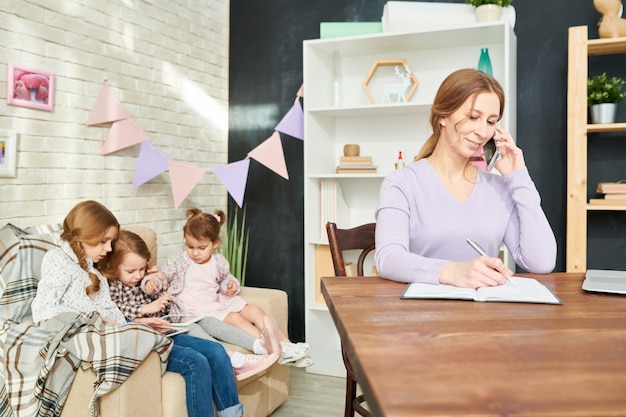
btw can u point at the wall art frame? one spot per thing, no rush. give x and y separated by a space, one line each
30 87
8 152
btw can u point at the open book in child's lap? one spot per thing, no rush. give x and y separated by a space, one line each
181 321
525 290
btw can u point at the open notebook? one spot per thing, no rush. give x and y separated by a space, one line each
524 290
608 281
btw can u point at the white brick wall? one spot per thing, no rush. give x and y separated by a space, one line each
166 61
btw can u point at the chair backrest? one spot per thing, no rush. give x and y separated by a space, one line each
361 237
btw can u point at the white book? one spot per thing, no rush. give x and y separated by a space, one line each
525 290
181 321
333 206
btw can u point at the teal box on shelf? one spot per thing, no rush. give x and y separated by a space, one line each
339 29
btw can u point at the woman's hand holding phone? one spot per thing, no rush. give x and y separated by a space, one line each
511 157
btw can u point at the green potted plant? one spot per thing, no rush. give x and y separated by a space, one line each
488 10
501 3
603 94
234 245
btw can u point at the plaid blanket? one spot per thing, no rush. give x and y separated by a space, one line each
39 361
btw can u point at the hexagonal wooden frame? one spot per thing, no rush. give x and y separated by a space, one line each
387 63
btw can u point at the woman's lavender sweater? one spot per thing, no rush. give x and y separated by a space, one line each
420 226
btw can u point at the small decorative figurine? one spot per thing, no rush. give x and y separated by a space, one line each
610 25
399 90
400 162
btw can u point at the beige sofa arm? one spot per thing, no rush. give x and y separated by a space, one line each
134 398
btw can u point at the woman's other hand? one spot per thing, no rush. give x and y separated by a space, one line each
483 271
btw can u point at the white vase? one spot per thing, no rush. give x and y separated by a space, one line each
488 13
603 113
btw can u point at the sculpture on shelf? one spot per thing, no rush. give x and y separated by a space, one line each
405 74
610 25
398 89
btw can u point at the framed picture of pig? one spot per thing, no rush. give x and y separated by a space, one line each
30 87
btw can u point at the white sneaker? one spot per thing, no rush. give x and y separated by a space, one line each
302 362
292 352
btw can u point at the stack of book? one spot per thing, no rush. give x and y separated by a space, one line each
356 165
614 193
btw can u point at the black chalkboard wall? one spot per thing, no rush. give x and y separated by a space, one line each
266 72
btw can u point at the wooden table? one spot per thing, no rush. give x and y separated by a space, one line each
464 358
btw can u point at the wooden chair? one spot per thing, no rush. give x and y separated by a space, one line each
358 238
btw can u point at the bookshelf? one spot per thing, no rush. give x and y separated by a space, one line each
580 48
337 111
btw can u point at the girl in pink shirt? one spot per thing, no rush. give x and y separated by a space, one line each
201 285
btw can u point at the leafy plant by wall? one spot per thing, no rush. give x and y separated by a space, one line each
234 245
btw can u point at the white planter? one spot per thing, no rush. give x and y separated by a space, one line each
603 113
488 13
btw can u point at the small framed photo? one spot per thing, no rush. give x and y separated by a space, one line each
8 152
30 87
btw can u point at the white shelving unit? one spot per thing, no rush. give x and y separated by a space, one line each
337 111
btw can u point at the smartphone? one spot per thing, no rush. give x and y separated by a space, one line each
492 153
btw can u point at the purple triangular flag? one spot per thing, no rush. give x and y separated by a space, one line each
234 176
151 162
293 122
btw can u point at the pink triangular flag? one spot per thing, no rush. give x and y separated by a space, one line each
270 153
234 176
183 178
300 92
293 122
123 134
151 162
107 108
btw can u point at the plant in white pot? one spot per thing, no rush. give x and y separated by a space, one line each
488 10
603 94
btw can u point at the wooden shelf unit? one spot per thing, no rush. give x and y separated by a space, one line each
337 111
580 48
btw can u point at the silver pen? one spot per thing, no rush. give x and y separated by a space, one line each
482 252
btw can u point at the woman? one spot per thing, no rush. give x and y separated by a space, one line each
428 210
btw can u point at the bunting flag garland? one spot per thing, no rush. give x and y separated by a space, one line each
107 108
183 178
151 162
292 123
234 177
270 153
123 134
